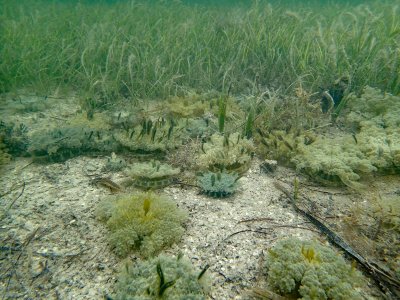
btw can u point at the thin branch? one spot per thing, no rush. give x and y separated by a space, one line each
26 243
15 200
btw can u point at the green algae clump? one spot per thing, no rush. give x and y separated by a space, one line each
310 270
218 185
370 143
143 222
333 161
376 118
163 277
152 175
230 153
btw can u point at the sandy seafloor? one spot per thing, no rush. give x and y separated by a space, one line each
54 248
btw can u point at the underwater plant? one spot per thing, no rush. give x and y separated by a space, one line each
4 157
248 128
333 161
63 143
143 222
375 116
281 145
152 175
218 185
190 106
200 127
114 163
163 277
15 138
152 137
222 104
371 144
110 67
229 153
310 270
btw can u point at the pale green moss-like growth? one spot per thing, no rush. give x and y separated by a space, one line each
144 222
385 211
333 160
152 175
201 127
310 270
218 184
228 153
328 160
376 116
163 277
372 143
374 105
187 107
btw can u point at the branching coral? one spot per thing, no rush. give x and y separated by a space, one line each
163 277
309 270
146 223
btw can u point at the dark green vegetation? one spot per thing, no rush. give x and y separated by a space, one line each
61 144
163 277
219 184
147 50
